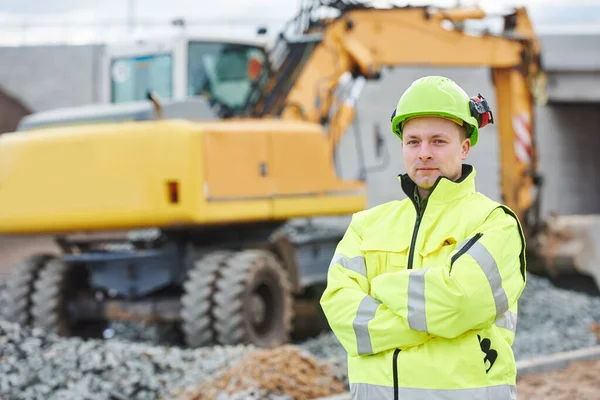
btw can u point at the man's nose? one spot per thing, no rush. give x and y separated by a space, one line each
425 151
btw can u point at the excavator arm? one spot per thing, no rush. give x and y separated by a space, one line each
326 69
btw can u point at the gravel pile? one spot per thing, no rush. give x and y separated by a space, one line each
286 372
34 365
553 320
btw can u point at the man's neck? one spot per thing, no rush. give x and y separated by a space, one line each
423 193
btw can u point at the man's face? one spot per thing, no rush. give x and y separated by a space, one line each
433 147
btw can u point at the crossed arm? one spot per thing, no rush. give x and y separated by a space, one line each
407 308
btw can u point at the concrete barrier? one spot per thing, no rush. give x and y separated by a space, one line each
556 361
342 396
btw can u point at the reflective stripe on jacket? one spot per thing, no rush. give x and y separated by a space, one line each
423 295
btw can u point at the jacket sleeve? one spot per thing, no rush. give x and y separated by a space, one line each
481 280
362 324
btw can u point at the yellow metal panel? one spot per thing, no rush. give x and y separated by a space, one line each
318 205
300 163
234 163
99 177
237 211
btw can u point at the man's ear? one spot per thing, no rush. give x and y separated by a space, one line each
466 146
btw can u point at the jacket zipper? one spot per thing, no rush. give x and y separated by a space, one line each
465 248
395 371
420 212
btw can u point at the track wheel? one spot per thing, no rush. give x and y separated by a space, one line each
19 289
48 309
197 299
253 301
57 285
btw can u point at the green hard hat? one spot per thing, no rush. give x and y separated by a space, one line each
440 96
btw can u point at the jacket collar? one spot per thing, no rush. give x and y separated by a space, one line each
444 190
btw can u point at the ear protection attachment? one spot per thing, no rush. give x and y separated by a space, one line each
395 129
481 110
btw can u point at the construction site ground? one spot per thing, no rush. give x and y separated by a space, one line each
578 380
569 375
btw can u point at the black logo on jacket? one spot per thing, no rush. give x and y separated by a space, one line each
490 354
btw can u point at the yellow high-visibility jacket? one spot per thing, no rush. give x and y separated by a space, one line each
423 295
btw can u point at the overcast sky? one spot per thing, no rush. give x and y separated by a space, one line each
20 19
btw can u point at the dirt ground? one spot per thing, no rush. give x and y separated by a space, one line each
578 381
14 248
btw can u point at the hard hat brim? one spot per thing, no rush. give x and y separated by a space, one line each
399 120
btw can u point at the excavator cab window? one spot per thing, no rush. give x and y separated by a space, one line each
133 77
224 72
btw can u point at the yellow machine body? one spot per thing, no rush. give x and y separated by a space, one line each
168 173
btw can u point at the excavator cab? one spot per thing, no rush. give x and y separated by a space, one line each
223 71
193 78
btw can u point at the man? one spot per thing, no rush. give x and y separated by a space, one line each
422 293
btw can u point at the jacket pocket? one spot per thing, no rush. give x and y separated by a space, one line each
385 256
437 250
381 262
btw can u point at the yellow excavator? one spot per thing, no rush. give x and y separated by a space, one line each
172 203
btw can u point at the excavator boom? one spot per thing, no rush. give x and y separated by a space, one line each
358 44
